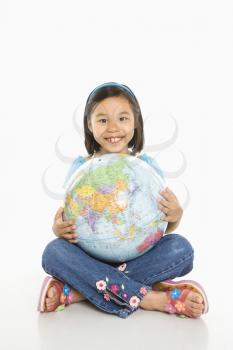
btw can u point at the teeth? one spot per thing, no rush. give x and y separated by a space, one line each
114 139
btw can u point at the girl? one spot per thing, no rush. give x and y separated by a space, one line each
113 124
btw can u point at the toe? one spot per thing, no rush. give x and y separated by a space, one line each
196 312
195 308
51 292
196 297
51 298
48 304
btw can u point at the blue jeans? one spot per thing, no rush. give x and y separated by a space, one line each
118 288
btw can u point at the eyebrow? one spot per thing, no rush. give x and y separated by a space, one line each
104 115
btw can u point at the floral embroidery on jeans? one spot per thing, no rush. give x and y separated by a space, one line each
134 301
106 297
124 295
114 288
118 294
101 285
122 267
143 290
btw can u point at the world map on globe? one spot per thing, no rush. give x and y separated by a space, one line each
113 200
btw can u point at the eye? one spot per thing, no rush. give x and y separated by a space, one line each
101 119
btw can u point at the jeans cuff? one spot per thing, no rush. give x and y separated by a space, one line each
121 294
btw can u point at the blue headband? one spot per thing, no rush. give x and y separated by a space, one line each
113 84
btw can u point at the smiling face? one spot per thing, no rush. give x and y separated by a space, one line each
112 124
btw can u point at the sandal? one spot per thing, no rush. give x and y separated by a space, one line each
64 290
177 293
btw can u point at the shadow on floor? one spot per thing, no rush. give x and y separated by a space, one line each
83 326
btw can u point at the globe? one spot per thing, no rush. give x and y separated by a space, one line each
113 200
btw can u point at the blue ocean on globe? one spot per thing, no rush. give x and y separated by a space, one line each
113 200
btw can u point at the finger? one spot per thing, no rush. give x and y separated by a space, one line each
164 209
59 212
166 218
69 229
167 189
166 195
73 240
67 223
168 192
172 194
70 235
164 202
62 230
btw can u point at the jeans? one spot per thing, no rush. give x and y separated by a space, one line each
112 287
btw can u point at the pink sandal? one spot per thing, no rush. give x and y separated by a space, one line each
64 290
177 293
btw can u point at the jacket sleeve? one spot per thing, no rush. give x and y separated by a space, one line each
75 165
153 163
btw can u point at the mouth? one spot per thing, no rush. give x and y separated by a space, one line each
114 140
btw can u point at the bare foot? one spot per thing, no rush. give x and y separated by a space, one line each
53 297
155 300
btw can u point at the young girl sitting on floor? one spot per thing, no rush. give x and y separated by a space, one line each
113 124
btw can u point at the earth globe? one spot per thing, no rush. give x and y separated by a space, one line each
113 200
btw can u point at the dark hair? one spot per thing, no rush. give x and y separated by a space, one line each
108 90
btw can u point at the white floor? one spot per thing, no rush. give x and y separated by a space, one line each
83 326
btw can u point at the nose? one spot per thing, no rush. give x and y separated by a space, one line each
112 126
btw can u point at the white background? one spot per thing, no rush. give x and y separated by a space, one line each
177 58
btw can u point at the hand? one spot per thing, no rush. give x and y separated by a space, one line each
170 206
64 228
